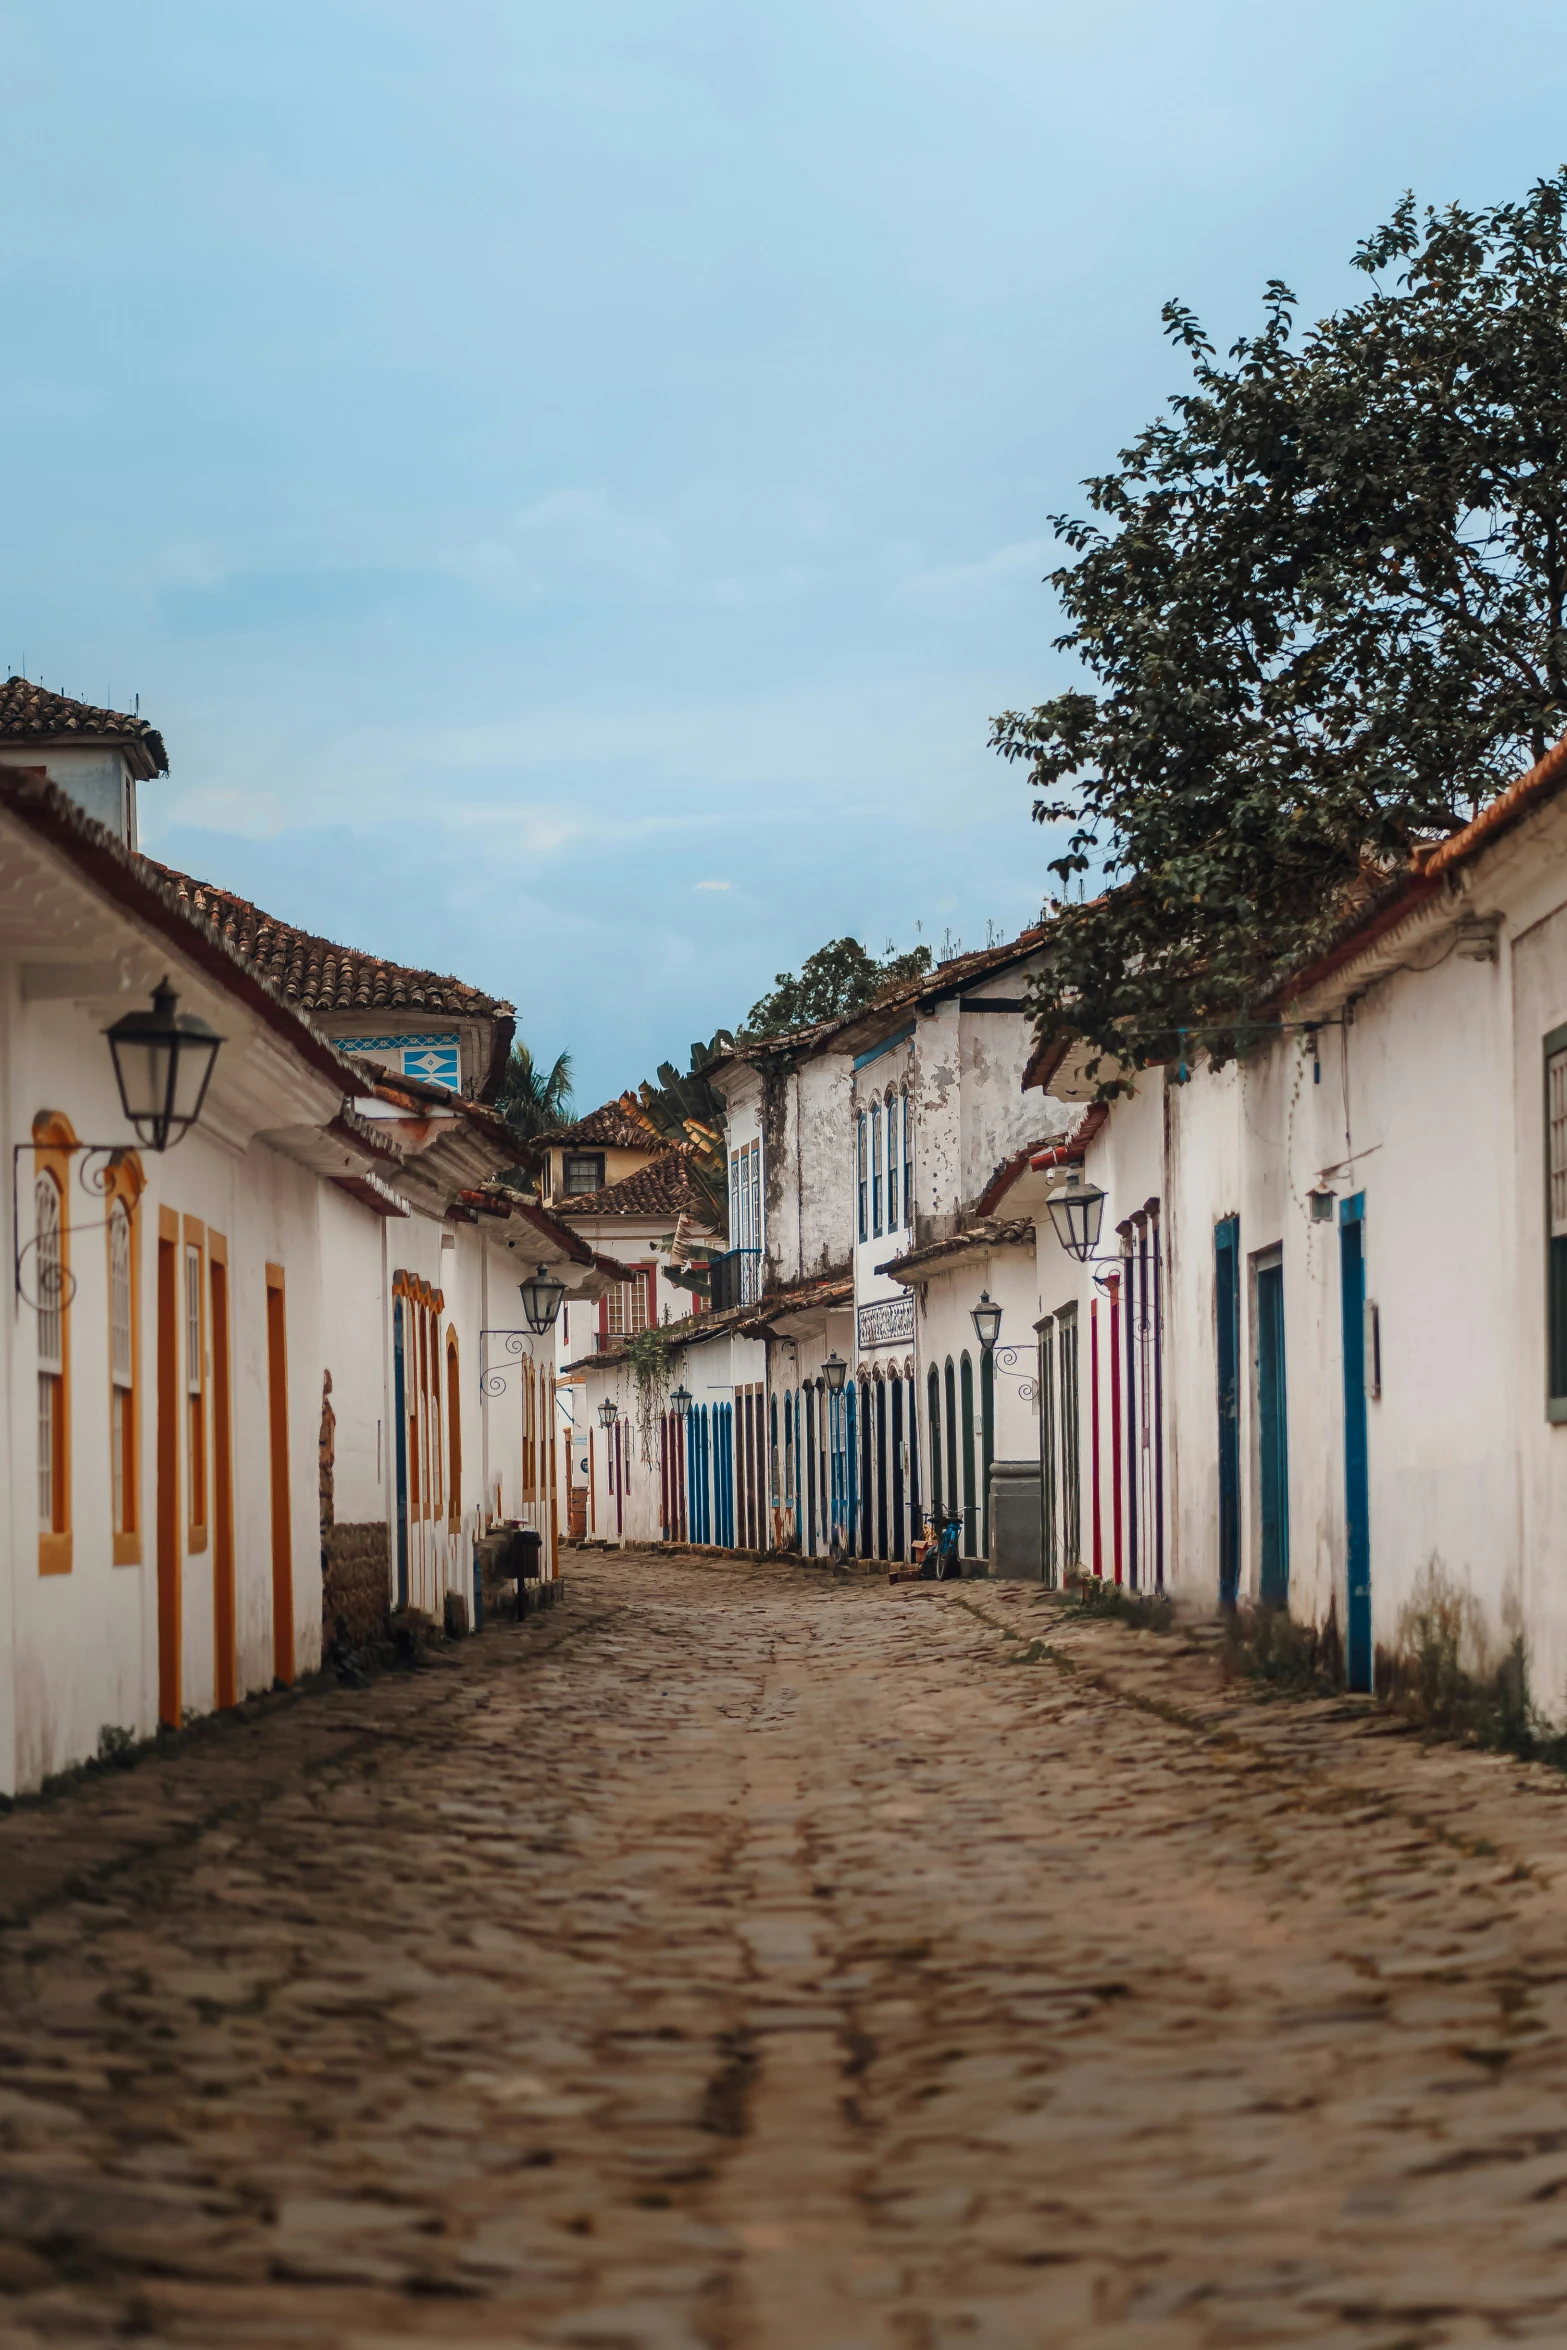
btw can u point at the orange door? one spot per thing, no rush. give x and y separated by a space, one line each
168 1471
282 1528
226 1672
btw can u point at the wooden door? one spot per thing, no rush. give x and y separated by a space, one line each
168 1472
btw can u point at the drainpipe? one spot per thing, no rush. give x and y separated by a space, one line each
1129 1322
1093 1442
1113 1284
1158 1398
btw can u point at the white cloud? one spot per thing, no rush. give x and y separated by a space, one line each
221 807
715 885
964 587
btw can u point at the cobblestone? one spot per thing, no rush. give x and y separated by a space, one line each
742 1957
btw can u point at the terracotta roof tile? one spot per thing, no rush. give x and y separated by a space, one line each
665 1187
318 975
1017 1232
611 1124
31 714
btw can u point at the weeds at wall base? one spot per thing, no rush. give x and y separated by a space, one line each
1423 1681
1144 1611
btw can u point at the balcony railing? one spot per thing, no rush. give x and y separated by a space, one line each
736 1278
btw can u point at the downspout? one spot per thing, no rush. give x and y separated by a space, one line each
484 1401
1113 1284
384 1427
1093 1440
1129 1334
987 1438
1158 1399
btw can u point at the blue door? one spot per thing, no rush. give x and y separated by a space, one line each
1357 1481
1273 1491
1227 1320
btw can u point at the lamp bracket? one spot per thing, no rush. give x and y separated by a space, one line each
94 1167
1006 1359
492 1376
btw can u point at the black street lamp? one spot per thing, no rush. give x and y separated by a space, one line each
163 1065
608 1414
541 1300
835 1370
680 1402
1076 1212
986 1319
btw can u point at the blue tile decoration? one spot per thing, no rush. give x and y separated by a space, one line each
434 1058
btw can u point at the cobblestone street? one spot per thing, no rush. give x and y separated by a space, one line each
736 1957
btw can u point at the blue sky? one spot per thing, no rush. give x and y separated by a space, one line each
572 484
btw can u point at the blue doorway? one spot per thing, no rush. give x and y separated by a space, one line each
1227 1319
1273 1492
1357 1476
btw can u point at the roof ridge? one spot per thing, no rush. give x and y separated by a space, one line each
320 973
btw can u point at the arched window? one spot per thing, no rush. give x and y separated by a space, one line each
966 1384
894 1160
953 1497
908 1162
453 1431
122 1373
876 1175
49 1281
865 1230
933 1406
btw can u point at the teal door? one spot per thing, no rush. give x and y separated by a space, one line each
1357 1481
1273 1489
1227 1317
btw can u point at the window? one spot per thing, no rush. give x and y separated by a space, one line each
453 1432
865 1230
626 1308
908 1163
745 1196
581 1172
876 1224
50 1283
893 1159
122 1373
195 1392
1556 1221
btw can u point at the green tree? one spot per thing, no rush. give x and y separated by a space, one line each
838 979
533 1099
688 1111
1321 604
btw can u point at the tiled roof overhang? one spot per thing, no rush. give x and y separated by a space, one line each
134 883
978 1240
30 714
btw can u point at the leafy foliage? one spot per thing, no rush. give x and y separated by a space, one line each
838 979
533 1099
1323 607
686 1109
647 1355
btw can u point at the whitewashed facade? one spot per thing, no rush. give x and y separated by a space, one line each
222 1359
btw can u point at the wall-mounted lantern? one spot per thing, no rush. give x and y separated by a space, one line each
1076 1211
986 1319
541 1298
163 1063
835 1371
680 1402
608 1414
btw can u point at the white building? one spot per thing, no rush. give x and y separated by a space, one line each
1322 1360
243 1382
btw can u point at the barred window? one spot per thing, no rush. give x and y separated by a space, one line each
1556 1222
50 1279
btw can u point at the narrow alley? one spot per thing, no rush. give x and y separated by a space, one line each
736 1957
